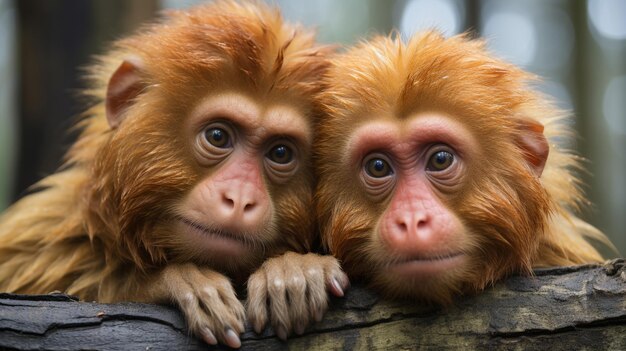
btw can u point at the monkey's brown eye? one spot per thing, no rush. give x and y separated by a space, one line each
217 137
281 154
439 161
378 168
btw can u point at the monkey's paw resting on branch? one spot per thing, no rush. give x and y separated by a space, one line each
561 308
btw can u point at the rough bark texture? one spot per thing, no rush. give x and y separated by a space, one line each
558 309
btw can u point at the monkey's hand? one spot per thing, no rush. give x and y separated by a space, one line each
291 290
207 300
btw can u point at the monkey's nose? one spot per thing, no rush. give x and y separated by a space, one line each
237 203
241 207
414 226
409 232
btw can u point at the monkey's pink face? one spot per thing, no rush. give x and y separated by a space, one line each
245 150
416 168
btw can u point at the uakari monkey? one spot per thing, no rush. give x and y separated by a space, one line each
440 171
192 167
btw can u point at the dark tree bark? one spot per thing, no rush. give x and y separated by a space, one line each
558 309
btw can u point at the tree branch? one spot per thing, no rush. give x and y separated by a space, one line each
560 308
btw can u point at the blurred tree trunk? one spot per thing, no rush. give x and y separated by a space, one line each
56 39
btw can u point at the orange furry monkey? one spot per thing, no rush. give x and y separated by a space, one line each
192 167
439 170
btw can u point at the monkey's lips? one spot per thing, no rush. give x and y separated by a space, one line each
218 241
424 266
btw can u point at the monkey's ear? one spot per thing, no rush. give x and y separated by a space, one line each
124 85
533 143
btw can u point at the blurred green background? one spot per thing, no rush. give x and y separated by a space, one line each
578 46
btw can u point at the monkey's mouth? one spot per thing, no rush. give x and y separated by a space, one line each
216 235
427 265
212 232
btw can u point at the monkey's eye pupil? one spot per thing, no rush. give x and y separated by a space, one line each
217 137
379 165
280 154
378 168
440 161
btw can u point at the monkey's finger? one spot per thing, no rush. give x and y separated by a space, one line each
205 286
336 280
296 289
232 339
211 311
218 317
278 304
208 336
256 304
237 312
175 280
189 304
316 289
337 283
228 296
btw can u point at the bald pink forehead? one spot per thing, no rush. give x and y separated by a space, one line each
410 135
262 120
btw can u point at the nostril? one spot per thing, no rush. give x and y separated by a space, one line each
402 226
228 202
249 207
422 224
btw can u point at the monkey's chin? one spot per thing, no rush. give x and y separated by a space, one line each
427 267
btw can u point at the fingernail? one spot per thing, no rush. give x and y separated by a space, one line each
299 329
281 333
208 337
346 281
232 339
337 286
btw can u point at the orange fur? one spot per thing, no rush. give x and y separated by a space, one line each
513 220
98 228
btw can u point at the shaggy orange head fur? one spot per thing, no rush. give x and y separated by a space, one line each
509 210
